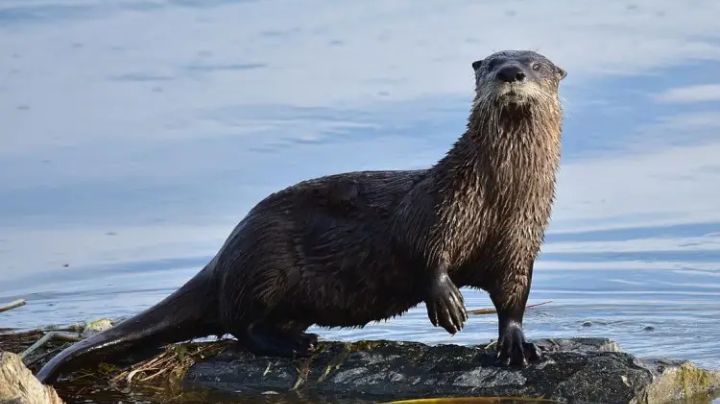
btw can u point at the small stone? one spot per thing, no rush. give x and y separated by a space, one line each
649 328
96 327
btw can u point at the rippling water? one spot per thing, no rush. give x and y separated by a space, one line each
135 134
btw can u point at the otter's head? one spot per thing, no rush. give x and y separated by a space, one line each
516 77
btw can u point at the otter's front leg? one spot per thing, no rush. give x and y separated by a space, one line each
445 303
509 298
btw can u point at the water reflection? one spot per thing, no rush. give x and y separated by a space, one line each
135 135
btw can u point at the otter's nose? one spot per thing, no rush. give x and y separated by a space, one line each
510 74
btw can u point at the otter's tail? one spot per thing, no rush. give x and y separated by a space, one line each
188 313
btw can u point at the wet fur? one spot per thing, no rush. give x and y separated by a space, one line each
349 249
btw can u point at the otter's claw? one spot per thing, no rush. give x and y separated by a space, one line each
513 350
445 305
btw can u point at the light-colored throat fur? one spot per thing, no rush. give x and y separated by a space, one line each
499 178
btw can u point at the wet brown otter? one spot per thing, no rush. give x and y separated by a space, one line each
348 249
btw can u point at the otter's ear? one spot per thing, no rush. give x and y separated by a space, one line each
560 73
476 64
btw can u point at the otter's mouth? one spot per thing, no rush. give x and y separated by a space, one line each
512 88
516 93
512 95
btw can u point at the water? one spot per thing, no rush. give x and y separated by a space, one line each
135 134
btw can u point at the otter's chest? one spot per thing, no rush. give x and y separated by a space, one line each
497 222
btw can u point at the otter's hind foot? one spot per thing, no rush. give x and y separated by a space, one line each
308 339
263 340
513 350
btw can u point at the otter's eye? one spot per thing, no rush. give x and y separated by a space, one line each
536 66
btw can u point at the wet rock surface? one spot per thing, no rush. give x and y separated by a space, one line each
572 370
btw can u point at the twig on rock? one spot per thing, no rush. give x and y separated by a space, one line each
493 311
39 358
47 337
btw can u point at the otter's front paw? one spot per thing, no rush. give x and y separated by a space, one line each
513 350
445 305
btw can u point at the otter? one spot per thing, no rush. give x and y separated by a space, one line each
348 249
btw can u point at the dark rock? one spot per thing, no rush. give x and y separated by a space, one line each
572 370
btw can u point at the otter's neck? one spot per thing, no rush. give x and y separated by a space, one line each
510 149
500 175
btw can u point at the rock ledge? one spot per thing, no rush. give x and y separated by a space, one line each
575 370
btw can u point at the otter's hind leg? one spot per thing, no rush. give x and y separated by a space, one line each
251 315
260 273
263 339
